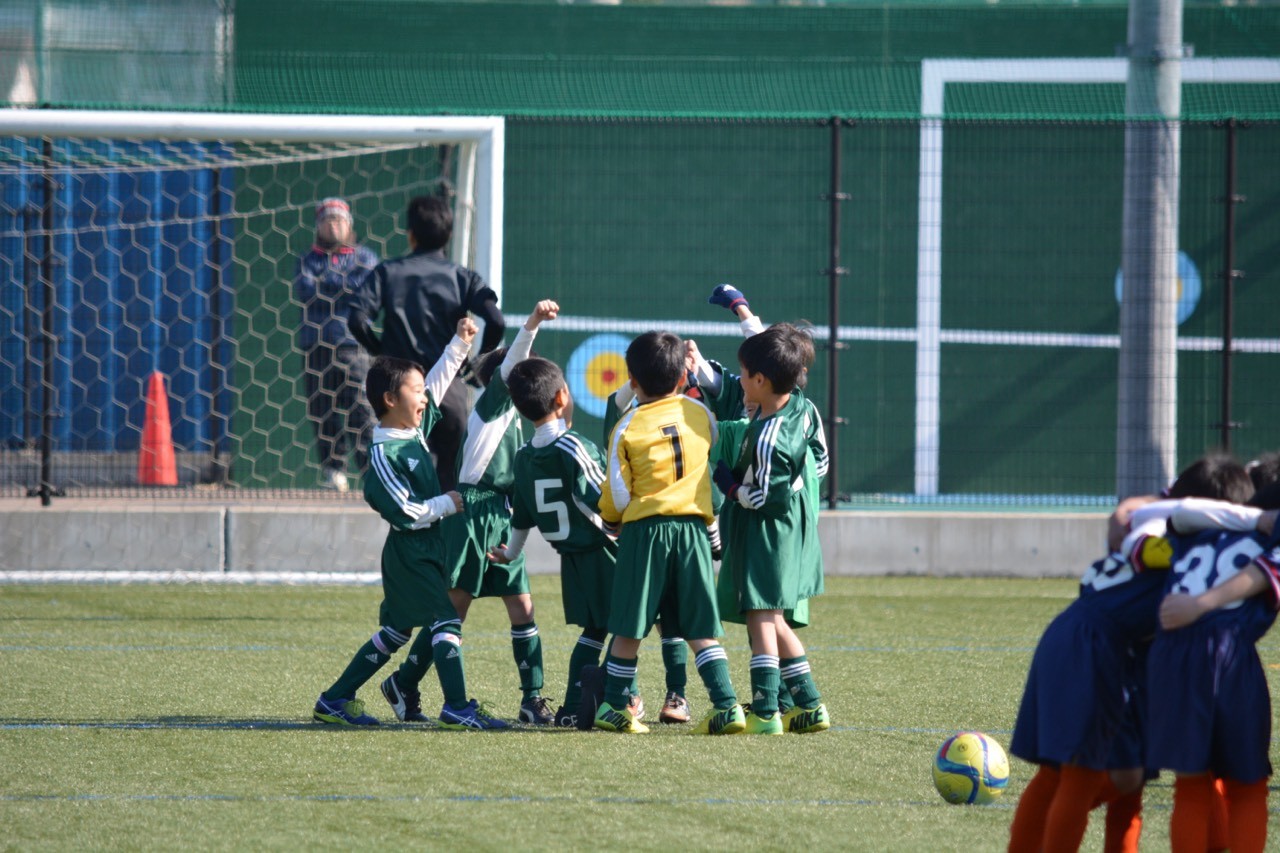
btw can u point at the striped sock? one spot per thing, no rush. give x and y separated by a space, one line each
619 676
764 685
795 674
369 659
415 665
526 647
586 652
713 667
675 658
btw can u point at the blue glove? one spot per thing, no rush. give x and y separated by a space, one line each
728 296
723 477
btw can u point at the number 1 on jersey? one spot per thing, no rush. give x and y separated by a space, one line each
677 449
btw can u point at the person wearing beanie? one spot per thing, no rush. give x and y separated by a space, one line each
421 297
327 279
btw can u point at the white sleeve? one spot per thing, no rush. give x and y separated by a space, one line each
515 545
518 351
435 509
708 377
751 326
1194 514
446 367
1159 511
624 397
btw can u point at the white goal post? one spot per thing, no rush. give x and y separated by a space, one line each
481 137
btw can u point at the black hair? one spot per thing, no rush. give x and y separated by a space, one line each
777 353
655 361
430 220
1264 470
385 376
485 365
534 383
1214 475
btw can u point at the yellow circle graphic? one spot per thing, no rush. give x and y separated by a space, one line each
605 372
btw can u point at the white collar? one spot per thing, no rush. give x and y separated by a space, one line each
381 434
548 433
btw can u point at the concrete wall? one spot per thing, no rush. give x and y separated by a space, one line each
74 535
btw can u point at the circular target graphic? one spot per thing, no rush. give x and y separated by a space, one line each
595 370
1188 286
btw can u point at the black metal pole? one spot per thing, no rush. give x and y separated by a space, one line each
49 345
1229 276
220 468
30 311
834 271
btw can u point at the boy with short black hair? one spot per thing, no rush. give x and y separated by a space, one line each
658 490
486 480
766 519
558 474
401 485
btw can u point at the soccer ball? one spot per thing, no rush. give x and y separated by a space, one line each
970 768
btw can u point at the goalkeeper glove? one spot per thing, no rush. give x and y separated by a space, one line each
728 296
723 477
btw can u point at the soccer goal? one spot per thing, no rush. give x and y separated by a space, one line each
133 243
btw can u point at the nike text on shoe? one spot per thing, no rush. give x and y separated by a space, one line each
803 721
770 725
470 716
675 709
722 721
621 721
342 712
536 712
406 704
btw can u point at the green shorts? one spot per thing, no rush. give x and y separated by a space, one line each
727 601
468 537
665 570
586 586
415 590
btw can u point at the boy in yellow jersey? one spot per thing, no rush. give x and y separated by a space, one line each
658 488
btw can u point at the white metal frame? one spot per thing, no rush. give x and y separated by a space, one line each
486 135
935 74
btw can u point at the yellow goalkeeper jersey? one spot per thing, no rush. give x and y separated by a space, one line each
658 462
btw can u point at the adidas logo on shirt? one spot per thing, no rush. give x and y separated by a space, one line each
413 464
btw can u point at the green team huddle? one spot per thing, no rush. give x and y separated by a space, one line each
636 522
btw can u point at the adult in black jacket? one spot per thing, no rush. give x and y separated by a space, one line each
421 297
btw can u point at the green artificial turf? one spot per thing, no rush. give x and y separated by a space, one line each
163 716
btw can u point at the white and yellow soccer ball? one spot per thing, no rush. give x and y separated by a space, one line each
970 768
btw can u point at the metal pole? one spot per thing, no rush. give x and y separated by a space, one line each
1147 382
834 271
1229 276
219 467
49 340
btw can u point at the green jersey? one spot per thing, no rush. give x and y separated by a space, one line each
558 475
401 476
493 436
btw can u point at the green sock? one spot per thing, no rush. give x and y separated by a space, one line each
526 646
795 674
586 652
764 685
415 665
675 657
785 702
446 652
366 662
619 679
713 667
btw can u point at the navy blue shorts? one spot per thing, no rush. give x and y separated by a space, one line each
1209 707
1075 701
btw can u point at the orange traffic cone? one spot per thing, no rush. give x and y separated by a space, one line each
156 463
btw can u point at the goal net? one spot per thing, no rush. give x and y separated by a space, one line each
140 243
